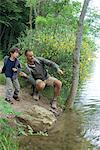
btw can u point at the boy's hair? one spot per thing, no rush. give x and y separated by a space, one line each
13 50
28 50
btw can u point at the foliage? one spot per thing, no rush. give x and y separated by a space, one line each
58 47
30 3
92 23
14 18
2 79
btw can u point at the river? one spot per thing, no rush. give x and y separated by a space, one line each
89 104
78 129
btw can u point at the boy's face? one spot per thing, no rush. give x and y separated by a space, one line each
15 54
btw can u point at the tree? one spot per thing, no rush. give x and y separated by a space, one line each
31 4
13 21
76 57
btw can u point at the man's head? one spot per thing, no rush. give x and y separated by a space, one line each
14 52
29 55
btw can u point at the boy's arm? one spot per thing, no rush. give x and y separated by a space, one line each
2 70
17 66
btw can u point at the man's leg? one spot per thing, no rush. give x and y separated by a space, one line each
57 88
17 89
39 86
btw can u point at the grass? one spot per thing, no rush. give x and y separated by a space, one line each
2 78
7 132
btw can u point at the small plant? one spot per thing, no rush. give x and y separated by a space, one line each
30 130
41 133
27 130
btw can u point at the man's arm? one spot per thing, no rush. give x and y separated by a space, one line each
28 75
51 64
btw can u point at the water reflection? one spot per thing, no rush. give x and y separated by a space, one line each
89 104
66 135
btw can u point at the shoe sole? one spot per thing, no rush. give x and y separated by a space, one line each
9 101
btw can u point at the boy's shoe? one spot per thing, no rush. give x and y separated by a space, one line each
16 98
54 104
9 100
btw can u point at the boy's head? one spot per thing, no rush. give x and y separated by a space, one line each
29 55
14 52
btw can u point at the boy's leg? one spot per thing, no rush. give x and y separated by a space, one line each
9 89
17 89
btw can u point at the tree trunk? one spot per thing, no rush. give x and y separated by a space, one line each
30 18
76 57
2 31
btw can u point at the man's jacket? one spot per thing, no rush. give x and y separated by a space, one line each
38 70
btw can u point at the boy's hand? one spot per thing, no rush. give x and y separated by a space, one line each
60 72
22 74
14 69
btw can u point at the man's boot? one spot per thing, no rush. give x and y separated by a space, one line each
36 95
54 104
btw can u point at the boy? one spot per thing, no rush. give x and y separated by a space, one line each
11 70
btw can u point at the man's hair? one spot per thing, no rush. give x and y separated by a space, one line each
13 50
28 50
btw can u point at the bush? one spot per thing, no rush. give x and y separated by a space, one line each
58 47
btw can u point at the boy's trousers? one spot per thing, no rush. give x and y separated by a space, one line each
12 88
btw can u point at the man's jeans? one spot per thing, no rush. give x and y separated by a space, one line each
12 88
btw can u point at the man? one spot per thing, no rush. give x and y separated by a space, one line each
38 76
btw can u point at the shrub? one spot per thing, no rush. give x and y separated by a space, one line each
58 47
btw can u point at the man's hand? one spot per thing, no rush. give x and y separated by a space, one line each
60 72
14 69
22 74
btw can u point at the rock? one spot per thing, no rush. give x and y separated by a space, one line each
38 117
37 114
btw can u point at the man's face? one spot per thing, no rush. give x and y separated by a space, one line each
29 56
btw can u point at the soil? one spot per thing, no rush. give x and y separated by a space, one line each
26 101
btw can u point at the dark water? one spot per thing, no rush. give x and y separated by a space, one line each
77 130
